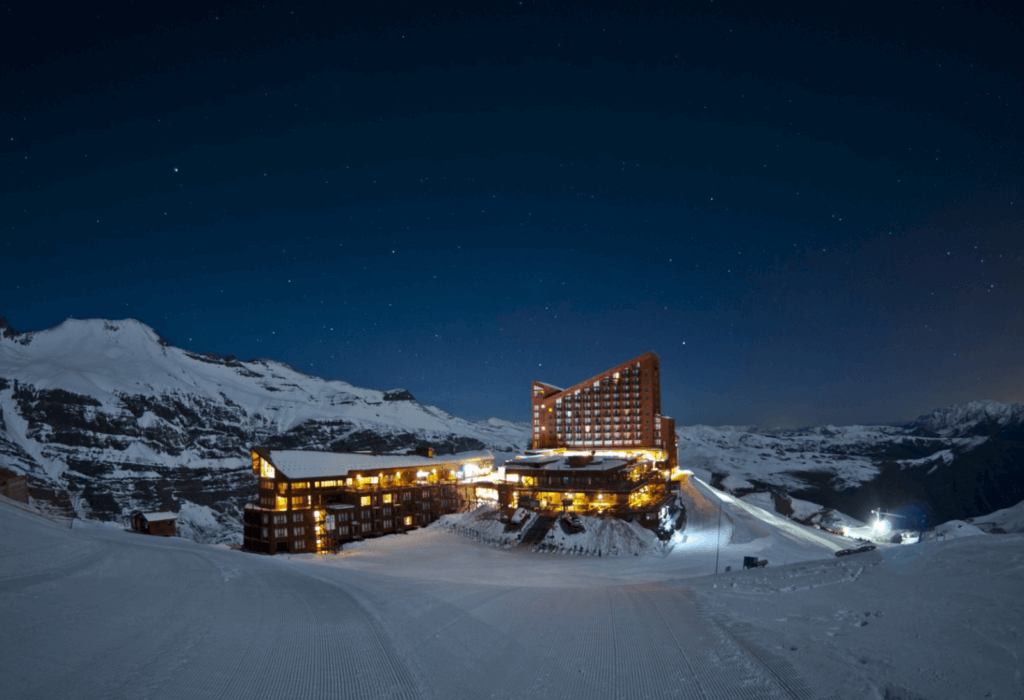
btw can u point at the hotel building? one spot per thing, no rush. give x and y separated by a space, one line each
315 501
618 409
600 447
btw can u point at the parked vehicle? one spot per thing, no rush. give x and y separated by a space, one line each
572 521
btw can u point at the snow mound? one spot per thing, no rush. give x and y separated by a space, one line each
958 528
204 525
601 537
1002 521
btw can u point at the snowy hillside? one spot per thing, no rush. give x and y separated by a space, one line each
110 418
97 612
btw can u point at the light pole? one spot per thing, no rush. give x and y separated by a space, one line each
718 536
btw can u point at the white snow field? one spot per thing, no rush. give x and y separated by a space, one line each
97 612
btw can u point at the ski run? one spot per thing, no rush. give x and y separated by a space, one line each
92 611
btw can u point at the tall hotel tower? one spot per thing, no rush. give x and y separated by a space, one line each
618 409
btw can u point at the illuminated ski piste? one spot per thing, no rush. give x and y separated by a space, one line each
95 612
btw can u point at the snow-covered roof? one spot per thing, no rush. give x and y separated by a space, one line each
303 464
561 463
160 515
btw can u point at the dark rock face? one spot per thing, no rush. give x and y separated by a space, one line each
5 330
398 395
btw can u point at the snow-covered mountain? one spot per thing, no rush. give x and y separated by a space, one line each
107 417
956 462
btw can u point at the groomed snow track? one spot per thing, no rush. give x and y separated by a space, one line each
98 612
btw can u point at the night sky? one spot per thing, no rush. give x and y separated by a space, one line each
811 213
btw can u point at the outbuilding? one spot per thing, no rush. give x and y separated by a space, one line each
158 523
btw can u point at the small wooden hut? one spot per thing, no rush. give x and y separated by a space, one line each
158 523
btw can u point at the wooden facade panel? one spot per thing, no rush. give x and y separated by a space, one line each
317 515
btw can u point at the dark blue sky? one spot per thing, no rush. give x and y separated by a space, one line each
812 214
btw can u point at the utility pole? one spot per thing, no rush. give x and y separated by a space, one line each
718 537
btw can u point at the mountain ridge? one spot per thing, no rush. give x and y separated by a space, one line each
109 416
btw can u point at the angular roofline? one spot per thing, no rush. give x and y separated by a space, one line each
591 379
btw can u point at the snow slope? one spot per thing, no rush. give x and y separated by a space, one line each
1007 520
99 612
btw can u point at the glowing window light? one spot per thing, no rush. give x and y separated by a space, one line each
267 471
485 494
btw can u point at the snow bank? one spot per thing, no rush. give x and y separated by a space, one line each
204 525
1007 520
601 537
958 528
483 525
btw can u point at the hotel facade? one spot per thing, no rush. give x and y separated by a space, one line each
618 409
599 447
317 501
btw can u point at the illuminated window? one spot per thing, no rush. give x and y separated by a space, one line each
364 501
266 470
281 503
408 520
298 501
387 498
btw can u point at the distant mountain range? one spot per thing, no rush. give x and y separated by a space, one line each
954 463
106 417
